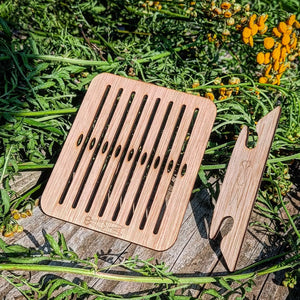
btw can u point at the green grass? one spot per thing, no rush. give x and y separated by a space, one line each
51 50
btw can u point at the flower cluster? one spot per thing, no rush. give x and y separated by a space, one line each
254 26
224 92
283 47
231 13
221 93
279 47
154 4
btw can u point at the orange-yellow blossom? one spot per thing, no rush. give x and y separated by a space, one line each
269 42
260 58
225 5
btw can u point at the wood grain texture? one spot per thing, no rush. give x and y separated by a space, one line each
241 184
192 253
130 161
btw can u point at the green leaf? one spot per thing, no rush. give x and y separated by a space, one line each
44 85
57 283
4 27
74 69
203 177
224 284
213 292
53 244
5 201
62 242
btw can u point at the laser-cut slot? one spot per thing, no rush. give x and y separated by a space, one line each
137 155
166 156
170 166
80 138
104 148
130 155
83 147
175 173
118 150
96 151
156 163
183 170
144 157
112 146
92 143
124 153
149 163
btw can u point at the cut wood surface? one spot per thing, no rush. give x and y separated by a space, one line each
192 253
130 160
241 184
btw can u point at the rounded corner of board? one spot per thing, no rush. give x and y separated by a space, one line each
101 77
167 246
44 207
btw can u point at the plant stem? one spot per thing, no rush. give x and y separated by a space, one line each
45 113
164 54
5 164
285 158
146 279
213 167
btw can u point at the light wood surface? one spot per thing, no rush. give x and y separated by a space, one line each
240 186
130 161
192 254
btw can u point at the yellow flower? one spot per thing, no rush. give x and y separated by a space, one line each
267 58
195 84
291 20
276 65
225 5
269 42
227 14
246 40
260 58
251 20
282 27
261 21
222 97
251 41
285 39
211 38
294 43
238 27
297 24
268 69
282 68
278 76
264 30
254 30
243 20
263 80
276 52
210 96
228 92
246 32
288 48
276 32
222 91
8 233
283 54
289 29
